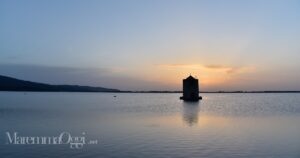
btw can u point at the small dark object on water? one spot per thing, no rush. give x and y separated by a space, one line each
115 96
190 89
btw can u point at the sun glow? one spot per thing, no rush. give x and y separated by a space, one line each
208 75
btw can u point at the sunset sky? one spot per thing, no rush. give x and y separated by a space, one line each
154 44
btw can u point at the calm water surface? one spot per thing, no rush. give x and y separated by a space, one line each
153 125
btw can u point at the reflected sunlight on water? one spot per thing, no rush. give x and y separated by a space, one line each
155 125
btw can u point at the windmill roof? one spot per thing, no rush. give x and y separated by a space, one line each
191 78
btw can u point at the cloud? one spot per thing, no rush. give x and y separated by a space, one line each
194 66
226 69
215 66
231 69
166 77
51 74
211 68
117 78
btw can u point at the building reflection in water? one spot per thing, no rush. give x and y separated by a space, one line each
190 112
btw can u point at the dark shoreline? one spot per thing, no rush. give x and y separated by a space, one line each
10 84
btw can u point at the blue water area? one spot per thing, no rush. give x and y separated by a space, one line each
119 125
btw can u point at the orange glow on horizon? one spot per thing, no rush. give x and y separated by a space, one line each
208 75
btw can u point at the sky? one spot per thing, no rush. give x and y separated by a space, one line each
153 44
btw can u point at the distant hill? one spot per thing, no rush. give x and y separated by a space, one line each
13 84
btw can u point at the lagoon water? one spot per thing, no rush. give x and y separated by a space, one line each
153 125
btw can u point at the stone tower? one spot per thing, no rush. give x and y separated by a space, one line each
190 89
